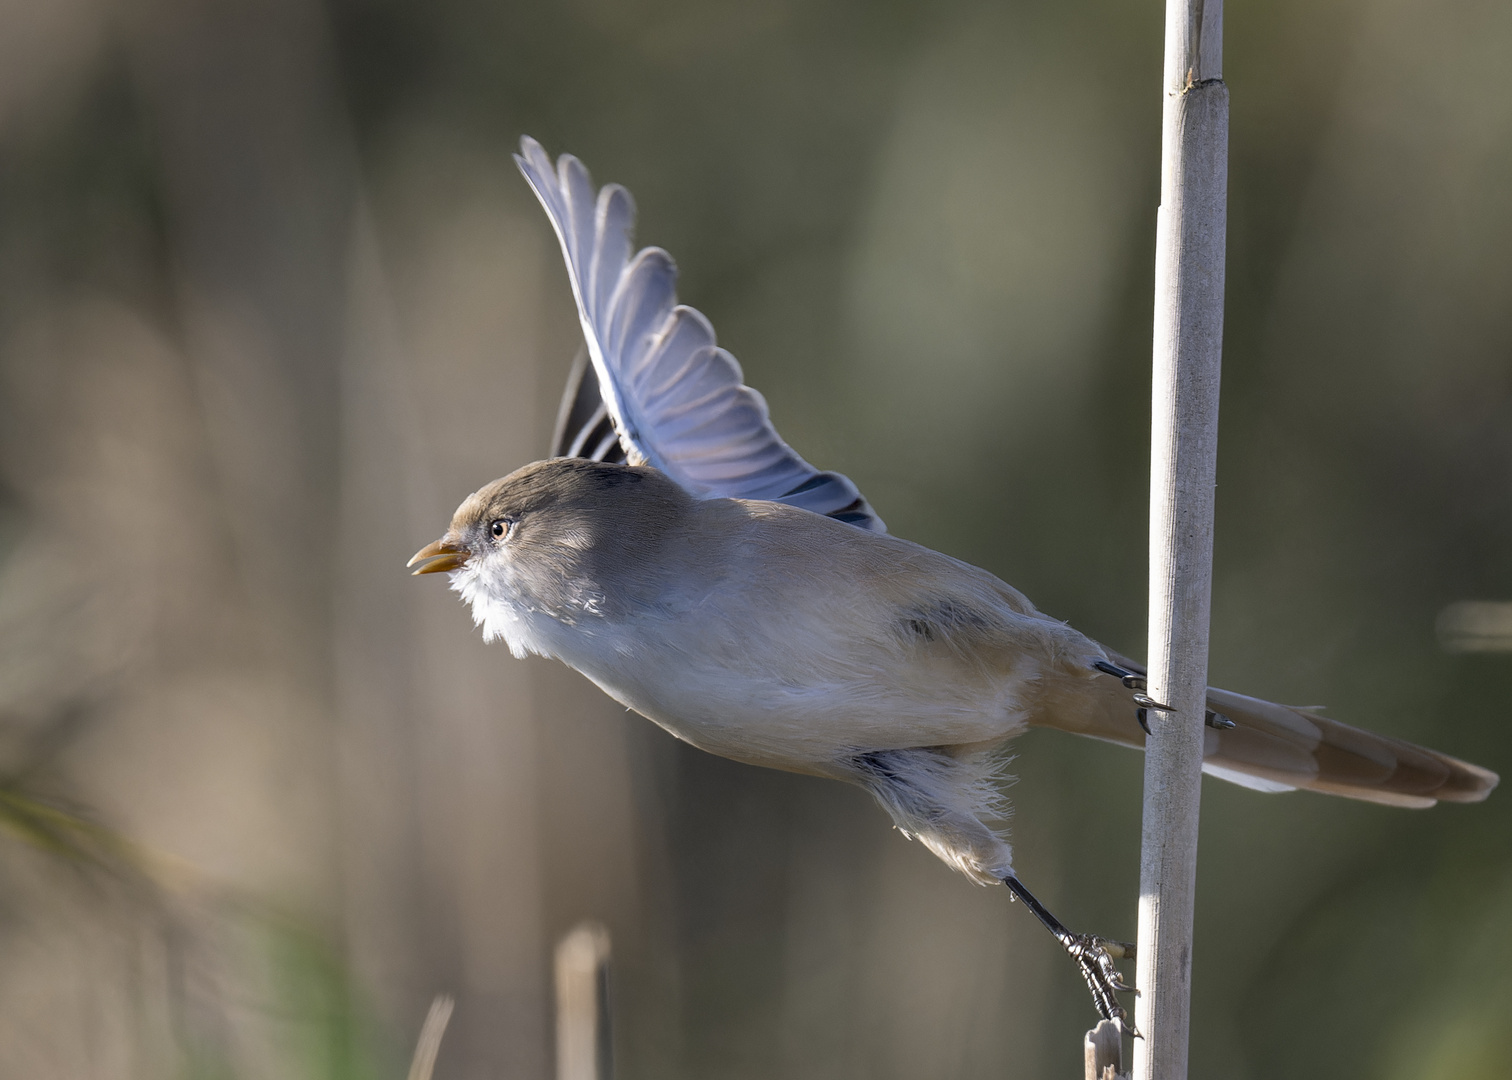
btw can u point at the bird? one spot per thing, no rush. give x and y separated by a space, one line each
679 554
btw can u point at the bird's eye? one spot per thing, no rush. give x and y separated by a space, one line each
500 528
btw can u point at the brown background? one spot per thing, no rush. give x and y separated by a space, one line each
273 299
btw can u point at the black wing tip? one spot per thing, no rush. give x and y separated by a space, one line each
579 401
584 428
857 511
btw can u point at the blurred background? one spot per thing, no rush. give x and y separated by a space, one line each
273 299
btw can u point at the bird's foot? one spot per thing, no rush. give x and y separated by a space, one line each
1135 682
1094 958
1094 955
1210 718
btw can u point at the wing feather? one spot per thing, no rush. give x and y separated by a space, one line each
583 427
675 399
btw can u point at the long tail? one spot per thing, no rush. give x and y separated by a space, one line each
1279 748
1273 746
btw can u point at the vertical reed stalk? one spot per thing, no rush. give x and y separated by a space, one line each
1189 256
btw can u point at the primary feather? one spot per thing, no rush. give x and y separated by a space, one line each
675 399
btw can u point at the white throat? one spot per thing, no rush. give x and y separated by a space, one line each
505 610
500 610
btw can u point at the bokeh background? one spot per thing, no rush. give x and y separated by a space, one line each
273 299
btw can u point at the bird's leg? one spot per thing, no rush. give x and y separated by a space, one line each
1094 956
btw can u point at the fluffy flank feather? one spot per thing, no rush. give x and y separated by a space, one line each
941 799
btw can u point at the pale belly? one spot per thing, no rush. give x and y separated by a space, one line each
813 715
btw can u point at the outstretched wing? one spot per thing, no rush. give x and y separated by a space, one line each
674 398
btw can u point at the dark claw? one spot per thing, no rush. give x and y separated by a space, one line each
1103 978
1219 721
1130 680
1137 684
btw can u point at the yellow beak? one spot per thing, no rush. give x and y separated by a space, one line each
438 557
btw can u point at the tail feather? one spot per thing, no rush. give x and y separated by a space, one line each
1279 747
1300 748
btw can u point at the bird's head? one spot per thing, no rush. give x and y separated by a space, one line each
567 538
